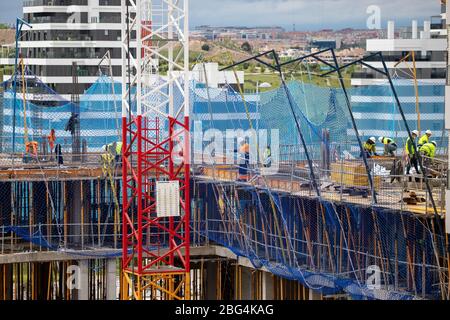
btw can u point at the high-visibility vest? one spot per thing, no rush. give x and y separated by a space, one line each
369 147
32 147
119 148
428 149
423 140
386 140
409 147
267 156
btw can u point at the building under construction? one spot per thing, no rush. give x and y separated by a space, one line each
158 187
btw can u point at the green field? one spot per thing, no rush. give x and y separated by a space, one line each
252 79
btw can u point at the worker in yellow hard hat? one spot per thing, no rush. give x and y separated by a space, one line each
424 139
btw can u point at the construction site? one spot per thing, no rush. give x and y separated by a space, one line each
161 188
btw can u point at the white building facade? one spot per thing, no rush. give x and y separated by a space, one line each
68 31
372 99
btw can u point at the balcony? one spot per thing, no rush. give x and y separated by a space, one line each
50 3
362 75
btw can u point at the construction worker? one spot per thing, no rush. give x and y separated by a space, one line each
389 146
115 149
244 160
428 149
119 146
112 154
59 155
424 139
51 140
410 151
370 147
107 158
31 152
267 157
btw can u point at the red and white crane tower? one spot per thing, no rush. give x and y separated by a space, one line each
156 150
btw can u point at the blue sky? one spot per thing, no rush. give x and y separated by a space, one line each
306 14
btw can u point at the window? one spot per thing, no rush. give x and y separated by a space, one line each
437 108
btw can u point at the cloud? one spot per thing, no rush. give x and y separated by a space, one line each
307 13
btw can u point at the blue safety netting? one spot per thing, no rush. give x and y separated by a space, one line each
324 245
98 108
328 247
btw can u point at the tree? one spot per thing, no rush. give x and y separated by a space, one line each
246 47
205 47
263 69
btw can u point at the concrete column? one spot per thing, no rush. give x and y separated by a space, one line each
111 279
83 291
211 281
246 284
426 34
75 215
427 28
391 30
314 295
267 286
414 29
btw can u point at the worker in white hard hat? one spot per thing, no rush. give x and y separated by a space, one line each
389 146
424 139
410 151
370 147
428 149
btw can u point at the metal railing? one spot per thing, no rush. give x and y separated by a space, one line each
340 179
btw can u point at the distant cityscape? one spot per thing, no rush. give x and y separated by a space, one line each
349 43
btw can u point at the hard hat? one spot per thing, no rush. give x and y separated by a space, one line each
373 139
434 142
104 148
380 139
415 132
428 132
